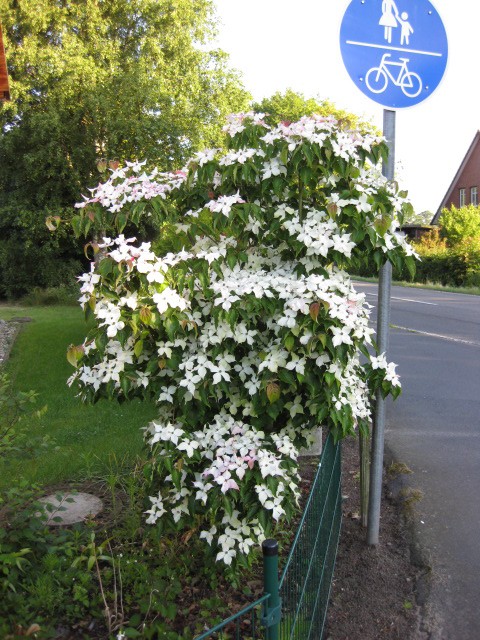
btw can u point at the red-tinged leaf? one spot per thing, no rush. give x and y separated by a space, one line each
314 310
332 210
273 392
146 315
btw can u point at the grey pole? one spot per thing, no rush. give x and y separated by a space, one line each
383 318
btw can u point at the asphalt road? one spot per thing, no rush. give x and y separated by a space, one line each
434 427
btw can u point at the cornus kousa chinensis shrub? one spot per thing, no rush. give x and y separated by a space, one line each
247 331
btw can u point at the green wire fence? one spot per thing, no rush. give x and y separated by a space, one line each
295 607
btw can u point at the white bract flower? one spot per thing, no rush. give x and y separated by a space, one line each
169 299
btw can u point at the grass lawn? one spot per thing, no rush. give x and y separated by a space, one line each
81 440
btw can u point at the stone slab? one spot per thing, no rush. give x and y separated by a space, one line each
70 508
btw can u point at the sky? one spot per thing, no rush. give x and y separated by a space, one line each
280 44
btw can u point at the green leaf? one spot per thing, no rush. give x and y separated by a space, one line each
308 153
378 258
77 226
264 518
231 258
382 225
75 354
171 327
411 266
138 348
329 378
286 376
289 342
125 385
227 505
105 267
122 220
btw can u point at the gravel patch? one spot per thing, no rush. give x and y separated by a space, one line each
8 333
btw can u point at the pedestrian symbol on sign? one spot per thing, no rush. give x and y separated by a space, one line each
396 57
391 19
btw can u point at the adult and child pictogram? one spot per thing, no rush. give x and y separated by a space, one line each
391 19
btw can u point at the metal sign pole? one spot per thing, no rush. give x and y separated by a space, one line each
383 317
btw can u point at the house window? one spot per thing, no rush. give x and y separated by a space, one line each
461 197
474 195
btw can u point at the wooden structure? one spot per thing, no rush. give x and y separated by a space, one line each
465 186
4 87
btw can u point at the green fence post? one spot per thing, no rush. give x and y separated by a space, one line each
272 611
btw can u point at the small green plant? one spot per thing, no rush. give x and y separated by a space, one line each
10 563
15 407
92 556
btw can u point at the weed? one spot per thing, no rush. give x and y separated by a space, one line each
410 497
398 468
15 407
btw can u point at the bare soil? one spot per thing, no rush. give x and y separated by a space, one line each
378 591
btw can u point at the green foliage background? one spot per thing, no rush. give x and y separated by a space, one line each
459 225
291 106
123 79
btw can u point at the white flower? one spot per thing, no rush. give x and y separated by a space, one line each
378 362
391 375
341 335
189 446
227 556
130 300
273 167
167 394
168 299
295 407
208 535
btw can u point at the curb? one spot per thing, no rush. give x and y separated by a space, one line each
400 490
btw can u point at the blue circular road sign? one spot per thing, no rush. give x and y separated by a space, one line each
395 51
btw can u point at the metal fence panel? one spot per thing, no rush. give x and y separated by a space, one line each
244 625
307 577
304 586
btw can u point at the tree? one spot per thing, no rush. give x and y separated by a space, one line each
247 331
423 218
121 79
457 225
291 106
93 80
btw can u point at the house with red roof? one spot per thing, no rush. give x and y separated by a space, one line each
465 186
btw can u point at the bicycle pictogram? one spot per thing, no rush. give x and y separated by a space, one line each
377 78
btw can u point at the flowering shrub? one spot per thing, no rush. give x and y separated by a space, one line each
249 334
